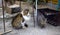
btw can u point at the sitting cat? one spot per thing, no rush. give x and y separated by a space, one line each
19 22
41 20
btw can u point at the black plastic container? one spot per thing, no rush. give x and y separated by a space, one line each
53 18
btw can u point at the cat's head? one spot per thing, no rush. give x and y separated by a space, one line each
26 11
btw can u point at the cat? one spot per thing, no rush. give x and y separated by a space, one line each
41 20
19 22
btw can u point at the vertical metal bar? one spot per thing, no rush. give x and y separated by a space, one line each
3 15
36 9
33 14
20 4
33 17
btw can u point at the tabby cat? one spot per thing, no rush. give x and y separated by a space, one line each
19 22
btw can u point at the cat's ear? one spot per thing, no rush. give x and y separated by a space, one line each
21 12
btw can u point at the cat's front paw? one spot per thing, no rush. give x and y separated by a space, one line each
24 27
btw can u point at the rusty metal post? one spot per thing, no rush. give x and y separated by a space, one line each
3 15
